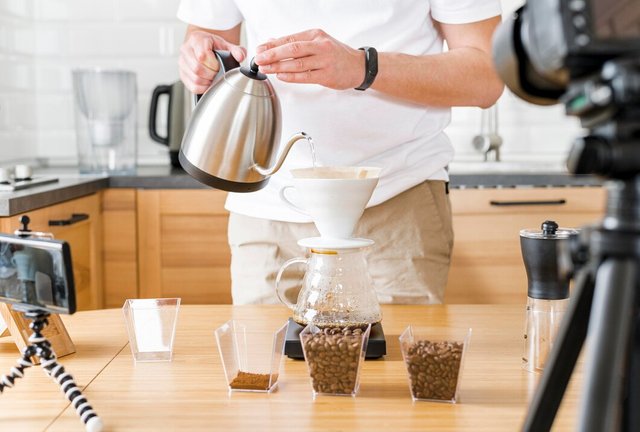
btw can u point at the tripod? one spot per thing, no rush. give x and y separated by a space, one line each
41 348
605 305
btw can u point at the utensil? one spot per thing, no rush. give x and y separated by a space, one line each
232 137
547 290
105 114
337 290
180 104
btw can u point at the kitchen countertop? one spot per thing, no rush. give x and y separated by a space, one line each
190 392
463 175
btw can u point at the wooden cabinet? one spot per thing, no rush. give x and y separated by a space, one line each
119 246
173 242
487 264
84 237
182 245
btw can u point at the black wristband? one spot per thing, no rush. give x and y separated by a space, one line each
370 67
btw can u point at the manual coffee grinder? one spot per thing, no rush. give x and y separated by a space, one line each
337 289
547 290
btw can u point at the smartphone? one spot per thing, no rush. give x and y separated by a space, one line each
36 273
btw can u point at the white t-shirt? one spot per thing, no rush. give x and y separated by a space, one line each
348 127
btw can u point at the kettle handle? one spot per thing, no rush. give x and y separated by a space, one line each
279 292
226 62
153 110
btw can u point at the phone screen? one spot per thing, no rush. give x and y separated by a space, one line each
37 273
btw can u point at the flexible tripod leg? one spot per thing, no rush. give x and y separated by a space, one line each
68 386
562 358
55 370
609 336
18 371
40 347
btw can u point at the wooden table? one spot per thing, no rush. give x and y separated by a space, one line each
190 393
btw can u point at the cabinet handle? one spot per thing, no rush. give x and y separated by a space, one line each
527 203
75 218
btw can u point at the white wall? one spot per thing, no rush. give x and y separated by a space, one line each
17 102
42 40
139 35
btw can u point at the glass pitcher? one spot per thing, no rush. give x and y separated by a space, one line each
106 120
337 290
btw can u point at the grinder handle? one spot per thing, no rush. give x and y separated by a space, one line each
279 291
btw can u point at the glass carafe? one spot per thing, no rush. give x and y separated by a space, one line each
337 290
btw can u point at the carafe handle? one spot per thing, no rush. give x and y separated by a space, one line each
290 203
279 292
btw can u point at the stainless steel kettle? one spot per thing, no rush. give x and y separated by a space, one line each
232 137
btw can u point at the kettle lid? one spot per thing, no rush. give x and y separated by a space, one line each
249 80
549 230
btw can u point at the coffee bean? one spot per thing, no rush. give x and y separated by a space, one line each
333 356
433 368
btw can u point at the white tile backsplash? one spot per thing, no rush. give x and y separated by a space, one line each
75 11
41 41
16 8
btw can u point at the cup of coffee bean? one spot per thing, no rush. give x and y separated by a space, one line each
334 357
251 355
434 359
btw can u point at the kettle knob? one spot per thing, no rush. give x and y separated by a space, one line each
253 71
549 227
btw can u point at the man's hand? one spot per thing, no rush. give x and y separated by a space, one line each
198 64
312 57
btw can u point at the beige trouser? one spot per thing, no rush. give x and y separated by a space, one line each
409 262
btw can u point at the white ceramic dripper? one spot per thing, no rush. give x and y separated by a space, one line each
334 197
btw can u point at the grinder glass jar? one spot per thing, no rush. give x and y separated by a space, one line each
547 290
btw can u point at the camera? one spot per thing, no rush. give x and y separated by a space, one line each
586 55
36 274
548 44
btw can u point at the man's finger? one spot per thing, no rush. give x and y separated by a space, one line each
293 50
203 53
198 68
238 52
308 77
194 88
302 64
190 77
306 35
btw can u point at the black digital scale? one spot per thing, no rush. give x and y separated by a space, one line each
376 347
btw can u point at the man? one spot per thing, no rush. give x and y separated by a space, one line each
319 58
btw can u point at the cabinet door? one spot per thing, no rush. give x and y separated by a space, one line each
183 248
119 246
486 265
84 237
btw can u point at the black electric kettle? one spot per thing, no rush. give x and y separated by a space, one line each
180 106
233 134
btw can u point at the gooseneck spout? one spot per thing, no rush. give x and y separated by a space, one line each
285 151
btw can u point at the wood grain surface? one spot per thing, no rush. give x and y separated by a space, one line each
190 393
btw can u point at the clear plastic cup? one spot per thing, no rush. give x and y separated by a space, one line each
434 358
251 355
151 326
334 358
